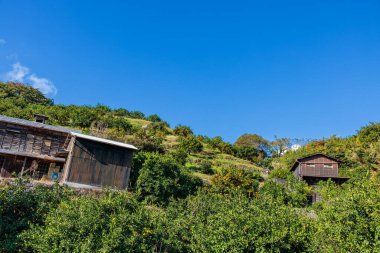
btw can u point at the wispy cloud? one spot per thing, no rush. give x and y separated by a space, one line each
43 84
20 73
2 42
17 74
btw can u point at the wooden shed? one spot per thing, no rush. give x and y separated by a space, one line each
97 162
315 168
53 153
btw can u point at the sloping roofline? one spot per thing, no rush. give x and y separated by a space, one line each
106 141
308 156
24 122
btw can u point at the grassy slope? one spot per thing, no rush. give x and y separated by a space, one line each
218 160
40 103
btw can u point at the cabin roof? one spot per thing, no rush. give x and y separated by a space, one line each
37 125
106 141
299 160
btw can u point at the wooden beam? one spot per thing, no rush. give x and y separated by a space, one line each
23 166
66 168
42 157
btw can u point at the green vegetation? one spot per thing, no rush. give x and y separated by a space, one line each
161 178
191 193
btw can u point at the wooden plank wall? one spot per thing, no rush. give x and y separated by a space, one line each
318 168
99 164
30 140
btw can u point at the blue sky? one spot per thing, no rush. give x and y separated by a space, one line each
298 69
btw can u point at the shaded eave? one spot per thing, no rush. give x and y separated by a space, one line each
325 178
31 155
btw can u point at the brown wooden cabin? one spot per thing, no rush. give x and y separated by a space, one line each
317 167
53 153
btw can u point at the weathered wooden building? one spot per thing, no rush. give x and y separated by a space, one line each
317 167
53 153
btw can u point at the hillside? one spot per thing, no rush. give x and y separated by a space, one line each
168 207
150 133
204 156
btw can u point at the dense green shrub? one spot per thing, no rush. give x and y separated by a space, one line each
253 140
370 133
23 93
289 191
136 115
190 144
205 167
120 124
180 156
158 128
162 178
113 222
183 131
235 223
348 218
22 205
247 153
148 142
231 179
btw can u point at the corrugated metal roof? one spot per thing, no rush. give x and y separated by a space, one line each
38 125
106 141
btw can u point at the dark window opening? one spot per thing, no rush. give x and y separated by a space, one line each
38 169
2 161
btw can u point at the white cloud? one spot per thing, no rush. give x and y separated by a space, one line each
20 73
2 42
17 74
43 84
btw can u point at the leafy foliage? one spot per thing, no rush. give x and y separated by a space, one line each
22 94
114 222
348 219
234 223
183 131
190 144
253 140
230 180
162 178
20 206
237 211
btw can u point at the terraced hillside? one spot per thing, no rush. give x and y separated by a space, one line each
149 133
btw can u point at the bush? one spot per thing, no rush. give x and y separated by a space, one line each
183 131
154 118
148 142
121 124
290 192
247 153
136 115
180 156
23 93
206 167
348 218
190 144
114 222
158 128
234 179
161 178
235 223
21 206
